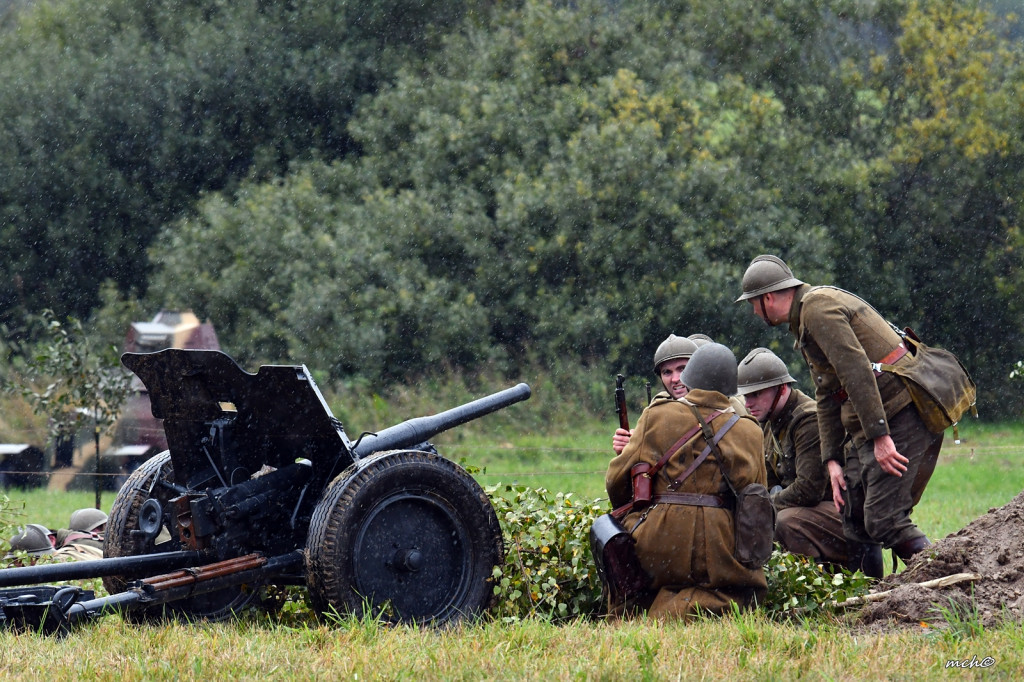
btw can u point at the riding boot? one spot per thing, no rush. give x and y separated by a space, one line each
867 558
908 548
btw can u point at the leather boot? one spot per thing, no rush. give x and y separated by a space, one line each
866 558
908 548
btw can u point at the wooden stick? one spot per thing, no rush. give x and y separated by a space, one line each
937 582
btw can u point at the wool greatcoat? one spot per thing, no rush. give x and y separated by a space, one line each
688 550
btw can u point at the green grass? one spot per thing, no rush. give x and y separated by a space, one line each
745 647
986 470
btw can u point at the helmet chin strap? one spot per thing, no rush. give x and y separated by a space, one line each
775 401
764 311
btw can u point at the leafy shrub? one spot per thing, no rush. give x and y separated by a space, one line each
548 570
797 584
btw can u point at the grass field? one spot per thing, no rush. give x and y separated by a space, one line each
984 471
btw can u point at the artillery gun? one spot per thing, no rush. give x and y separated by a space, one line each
261 486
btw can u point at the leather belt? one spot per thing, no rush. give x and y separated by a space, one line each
692 499
890 359
898 352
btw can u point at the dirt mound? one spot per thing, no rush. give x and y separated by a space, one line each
991 546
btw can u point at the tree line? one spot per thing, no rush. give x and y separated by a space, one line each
392 189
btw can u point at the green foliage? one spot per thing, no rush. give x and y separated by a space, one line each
548 571
118 114
388 190
798 585
86 384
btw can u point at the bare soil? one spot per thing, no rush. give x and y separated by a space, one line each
991 545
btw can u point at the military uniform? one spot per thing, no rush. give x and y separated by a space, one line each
807 521
840 335
687 549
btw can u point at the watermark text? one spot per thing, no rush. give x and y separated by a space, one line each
972 662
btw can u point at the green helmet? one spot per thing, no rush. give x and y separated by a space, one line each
87 520
34 539
712 368
673 348
766 274
700 339
761 369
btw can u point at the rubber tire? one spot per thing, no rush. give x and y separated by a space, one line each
403 504
117 542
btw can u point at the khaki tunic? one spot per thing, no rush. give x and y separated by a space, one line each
688 550
840 335
792 453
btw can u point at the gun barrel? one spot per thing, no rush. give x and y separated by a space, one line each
98 568
415 431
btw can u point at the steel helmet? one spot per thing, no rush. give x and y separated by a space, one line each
761 369
765 274
712 368
673 348
87 520
34 539
700 339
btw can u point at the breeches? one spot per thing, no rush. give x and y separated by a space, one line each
815 531
878 505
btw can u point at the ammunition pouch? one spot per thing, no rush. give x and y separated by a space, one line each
641 475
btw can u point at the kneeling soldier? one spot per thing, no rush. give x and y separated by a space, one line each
807 522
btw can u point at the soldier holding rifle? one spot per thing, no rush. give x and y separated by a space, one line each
669 362
685 540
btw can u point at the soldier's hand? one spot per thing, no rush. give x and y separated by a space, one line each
620 440
891 461
835 475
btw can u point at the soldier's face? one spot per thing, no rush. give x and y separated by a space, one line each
759 403
671 372
769 308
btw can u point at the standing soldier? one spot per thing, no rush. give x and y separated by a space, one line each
807 521
893 453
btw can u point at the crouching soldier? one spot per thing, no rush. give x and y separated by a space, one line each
807 521
685 541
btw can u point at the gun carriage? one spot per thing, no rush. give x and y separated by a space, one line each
262 486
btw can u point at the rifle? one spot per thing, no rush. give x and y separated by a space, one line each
620 402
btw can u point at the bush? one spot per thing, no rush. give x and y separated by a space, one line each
798 585
548 570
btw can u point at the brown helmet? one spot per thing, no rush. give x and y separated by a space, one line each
761 369
712 368
766 274
673 348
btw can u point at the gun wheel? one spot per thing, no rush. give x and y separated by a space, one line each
407 536
118 541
